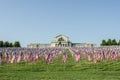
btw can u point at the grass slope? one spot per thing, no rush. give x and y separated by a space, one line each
58 71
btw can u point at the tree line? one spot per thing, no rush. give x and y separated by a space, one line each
110 42
9 44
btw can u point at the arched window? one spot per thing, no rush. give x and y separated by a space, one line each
61 39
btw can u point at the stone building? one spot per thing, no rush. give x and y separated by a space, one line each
61 41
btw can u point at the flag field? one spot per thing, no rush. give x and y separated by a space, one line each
56 70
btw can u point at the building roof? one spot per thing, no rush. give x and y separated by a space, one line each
61 35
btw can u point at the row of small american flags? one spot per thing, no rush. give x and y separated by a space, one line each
96 54
33 55
18 55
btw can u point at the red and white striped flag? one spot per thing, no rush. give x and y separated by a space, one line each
13 59
77 57
19 59
64 59
0 57
89 58
7 57
48 59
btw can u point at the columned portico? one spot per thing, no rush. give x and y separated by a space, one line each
61 41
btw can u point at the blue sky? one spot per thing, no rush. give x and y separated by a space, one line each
39 21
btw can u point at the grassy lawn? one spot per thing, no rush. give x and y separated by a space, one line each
57 71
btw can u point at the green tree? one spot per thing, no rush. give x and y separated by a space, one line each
104 43
17 44
1 43
109 42
6 44
10 44
114 42
119 42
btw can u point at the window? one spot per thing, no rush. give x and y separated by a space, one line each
61 39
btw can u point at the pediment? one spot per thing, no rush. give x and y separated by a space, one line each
60 37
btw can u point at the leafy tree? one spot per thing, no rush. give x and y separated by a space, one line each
114 42
119 42
6 44
109 42
1 43
104 43
17 44
10 44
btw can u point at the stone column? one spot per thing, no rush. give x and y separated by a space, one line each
65 45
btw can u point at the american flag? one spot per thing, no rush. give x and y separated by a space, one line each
64 59
0 57
48 58
13 57
7 57
77 57
89 57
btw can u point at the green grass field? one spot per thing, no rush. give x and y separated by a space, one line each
58 71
